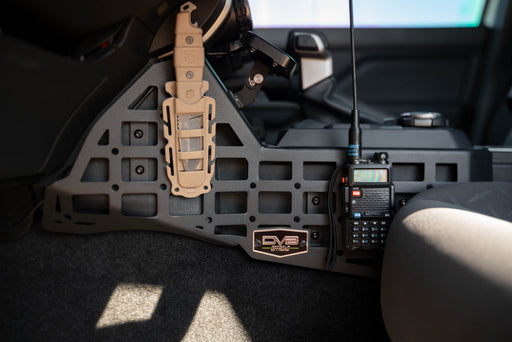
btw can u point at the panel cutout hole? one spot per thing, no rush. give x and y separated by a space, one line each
275 202
142 205
408 172
147 100
139 169
231 169
105 138
182 206
90 204
316 203
230 202
319 235
318 170
225 136
96 171
275 170
139 133
446 172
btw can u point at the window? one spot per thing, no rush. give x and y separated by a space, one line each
367 13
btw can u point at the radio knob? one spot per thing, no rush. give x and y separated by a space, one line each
380 157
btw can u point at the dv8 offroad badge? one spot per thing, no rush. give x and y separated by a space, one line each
280 243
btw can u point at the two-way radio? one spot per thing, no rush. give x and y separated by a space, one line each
368 191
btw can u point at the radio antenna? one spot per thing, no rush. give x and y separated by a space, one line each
354 133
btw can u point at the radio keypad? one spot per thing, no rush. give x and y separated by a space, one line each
373 234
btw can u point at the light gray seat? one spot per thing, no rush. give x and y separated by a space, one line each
447 268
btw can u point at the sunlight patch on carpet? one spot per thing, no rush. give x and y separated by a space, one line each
130 303
215 320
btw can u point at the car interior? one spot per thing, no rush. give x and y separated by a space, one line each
255 170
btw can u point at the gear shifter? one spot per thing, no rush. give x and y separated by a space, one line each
315 59
318 83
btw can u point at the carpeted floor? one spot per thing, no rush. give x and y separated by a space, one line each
134 286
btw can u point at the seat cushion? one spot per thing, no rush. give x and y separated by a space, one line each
447 268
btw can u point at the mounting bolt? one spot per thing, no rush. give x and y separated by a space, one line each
189 75
139 170
257 243
138 134
315 235
256 79
402 202
189 39
302 243
315 200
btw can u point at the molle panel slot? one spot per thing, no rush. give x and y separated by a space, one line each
105 138
446 172
316 203
231 169
96 171
226 136
142 205
139 169
271 170
147 100
90 204
230 202
236 230
408 172
270 202
139 134
182 206
318 170
318 235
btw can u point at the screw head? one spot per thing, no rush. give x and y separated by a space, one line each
315 200
189 40
138 134
258 78
315 235
189 75
139 169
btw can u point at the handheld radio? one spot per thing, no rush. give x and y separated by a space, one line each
368 197
368 191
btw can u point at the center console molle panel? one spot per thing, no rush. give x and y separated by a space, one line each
119 182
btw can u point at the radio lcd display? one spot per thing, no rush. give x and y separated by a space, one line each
370 176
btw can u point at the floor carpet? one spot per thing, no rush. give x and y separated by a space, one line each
132 286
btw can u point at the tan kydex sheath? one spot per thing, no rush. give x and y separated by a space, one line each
188 114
